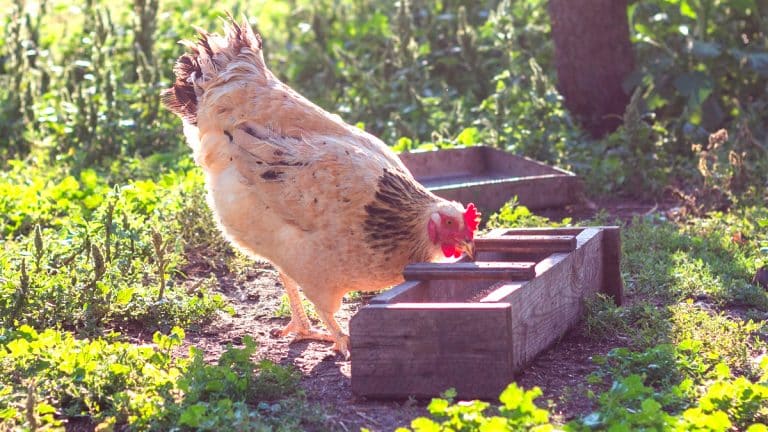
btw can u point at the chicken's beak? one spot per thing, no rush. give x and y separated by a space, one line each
468 247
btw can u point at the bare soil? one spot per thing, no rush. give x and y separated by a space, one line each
560 372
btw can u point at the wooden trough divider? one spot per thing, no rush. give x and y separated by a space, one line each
473 325
526 243
471 270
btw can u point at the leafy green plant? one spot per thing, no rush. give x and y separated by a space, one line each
80 267
729 340
699 258
674 387
640 325
515 215
120 385
516 412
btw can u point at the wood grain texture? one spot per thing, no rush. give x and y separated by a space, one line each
470 270
421 350
536 231
613 284
528 243
408 291
611 253
502 292
546 307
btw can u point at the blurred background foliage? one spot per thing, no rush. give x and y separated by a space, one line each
82 81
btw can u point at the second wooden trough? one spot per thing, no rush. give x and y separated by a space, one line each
490 177
473 325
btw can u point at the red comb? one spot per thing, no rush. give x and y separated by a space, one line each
471 217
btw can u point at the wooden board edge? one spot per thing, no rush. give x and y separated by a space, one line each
502 292
574 231
613 284
391 294
467 270
448 306
527 348
529 243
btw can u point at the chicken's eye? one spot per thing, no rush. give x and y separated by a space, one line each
449 222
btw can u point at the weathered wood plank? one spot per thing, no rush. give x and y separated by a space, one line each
470 270
408 291
501 293
424 349
456 290
613 285
436 333
437 291
547 306
574 231
528 243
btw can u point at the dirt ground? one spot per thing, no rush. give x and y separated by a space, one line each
560 371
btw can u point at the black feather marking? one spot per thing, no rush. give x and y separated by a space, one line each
269 135
181 98
390 221
253 132
271 138
272 175
287 164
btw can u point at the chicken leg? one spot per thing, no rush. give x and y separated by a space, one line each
299 324
341 340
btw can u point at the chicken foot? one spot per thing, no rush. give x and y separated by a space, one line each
341 339
299 324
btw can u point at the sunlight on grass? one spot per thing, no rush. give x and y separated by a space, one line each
699 258
731 340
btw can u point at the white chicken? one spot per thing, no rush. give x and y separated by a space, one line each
331 206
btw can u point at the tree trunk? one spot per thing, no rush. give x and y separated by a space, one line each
593 56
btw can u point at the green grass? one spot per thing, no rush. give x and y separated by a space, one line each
699 258
80 254
51 374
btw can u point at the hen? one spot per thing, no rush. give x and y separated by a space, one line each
331 206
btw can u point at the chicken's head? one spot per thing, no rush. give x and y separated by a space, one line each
452 227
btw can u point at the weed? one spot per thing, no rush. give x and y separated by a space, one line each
514 215
516 412
120 385
89 271
640 325
729 340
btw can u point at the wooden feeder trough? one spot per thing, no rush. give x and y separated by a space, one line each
489 178
473 325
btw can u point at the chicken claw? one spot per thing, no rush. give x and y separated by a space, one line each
301 327
301 332
342 346
341 339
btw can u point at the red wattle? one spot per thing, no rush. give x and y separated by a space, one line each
449 250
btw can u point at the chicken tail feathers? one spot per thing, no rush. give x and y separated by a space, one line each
205 60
